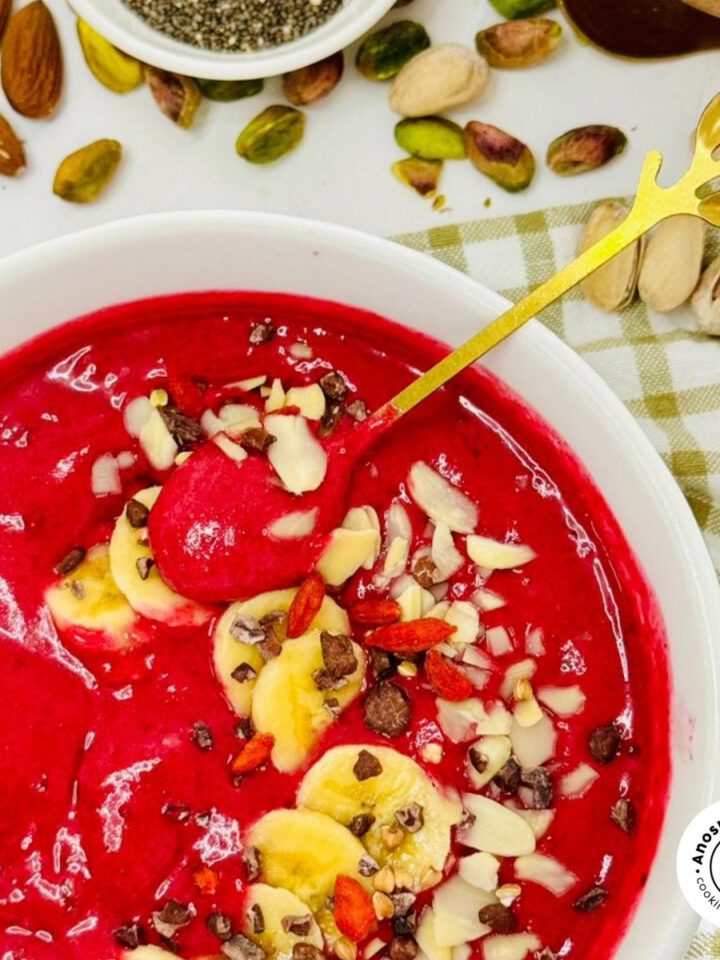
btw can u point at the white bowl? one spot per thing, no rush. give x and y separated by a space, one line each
213 251
129 32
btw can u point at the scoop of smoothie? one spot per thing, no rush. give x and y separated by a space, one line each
214 529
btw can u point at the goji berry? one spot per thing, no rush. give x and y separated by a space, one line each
206 880
306 605
255 752
413 636
354 912
447 680
374 612
186 395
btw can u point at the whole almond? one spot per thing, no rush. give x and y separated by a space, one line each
32 64
12 154
4 14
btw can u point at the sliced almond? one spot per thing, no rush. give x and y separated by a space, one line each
248 384
297 457
445 555
440 610
480 870
510 946
545 871
347 552
475 657
440 500
211 423
533 745
486 600
465 618
229 447
397 523
522 670
535 642
396 557
157 442
496 555
494 752
425 937
456 905
539 821
498 640
563 701
465 720
578 781
496 829
526 711
364 518
276 397
238 417
294 525
415 602
136 415
105 476
309 400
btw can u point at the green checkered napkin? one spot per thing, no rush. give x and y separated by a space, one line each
666 373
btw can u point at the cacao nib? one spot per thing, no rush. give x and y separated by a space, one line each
541 785
299 926
239 947
130 936
366 766
387 709
410 818
360 824
261 333
499 918
508 779
137 514
71 561
202 736
592 900
604 743
402 948
338 654
256 440
220 925
333 386
184 429
623 814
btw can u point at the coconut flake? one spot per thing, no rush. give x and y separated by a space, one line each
296 456
302 351
496 555
440 500
105 476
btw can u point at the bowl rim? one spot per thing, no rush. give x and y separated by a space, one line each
131 34
637 447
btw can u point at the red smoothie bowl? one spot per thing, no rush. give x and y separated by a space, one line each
510 711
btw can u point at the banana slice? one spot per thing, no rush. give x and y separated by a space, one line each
332 787
147 953
285 920
304 851
229 652
89 599
131 562
288 703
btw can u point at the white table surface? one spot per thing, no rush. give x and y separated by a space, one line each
341 171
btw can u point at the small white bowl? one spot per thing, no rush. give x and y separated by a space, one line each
150 256
130 33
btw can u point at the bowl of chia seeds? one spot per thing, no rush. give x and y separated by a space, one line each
231 39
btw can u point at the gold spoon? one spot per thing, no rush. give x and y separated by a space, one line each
203 496
695 193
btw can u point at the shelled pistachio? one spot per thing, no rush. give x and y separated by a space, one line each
383 54
271 134
613 285
672 263
585 148
177 96
431 138
314 82
519 43
84 174
114 69
500 156
422 175
513 9
225 91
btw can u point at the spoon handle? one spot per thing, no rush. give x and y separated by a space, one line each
637 223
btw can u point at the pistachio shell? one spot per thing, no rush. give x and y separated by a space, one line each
519 43
439 79
672 263
431 138
83 175
12 152
309 84
224 91
706 300
271 134
113 68
178 97
422 175
585 148
383 54
513 9
612 286
499 156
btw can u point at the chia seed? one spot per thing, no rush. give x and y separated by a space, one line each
235 26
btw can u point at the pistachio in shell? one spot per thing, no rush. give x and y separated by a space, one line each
672 263
12 152
706 300
83 175
585 148
271 134
225 91
519 43
431 138
499 155
612 286
309 84
515 9
440 78
422 175
383 54
177 96
114 69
